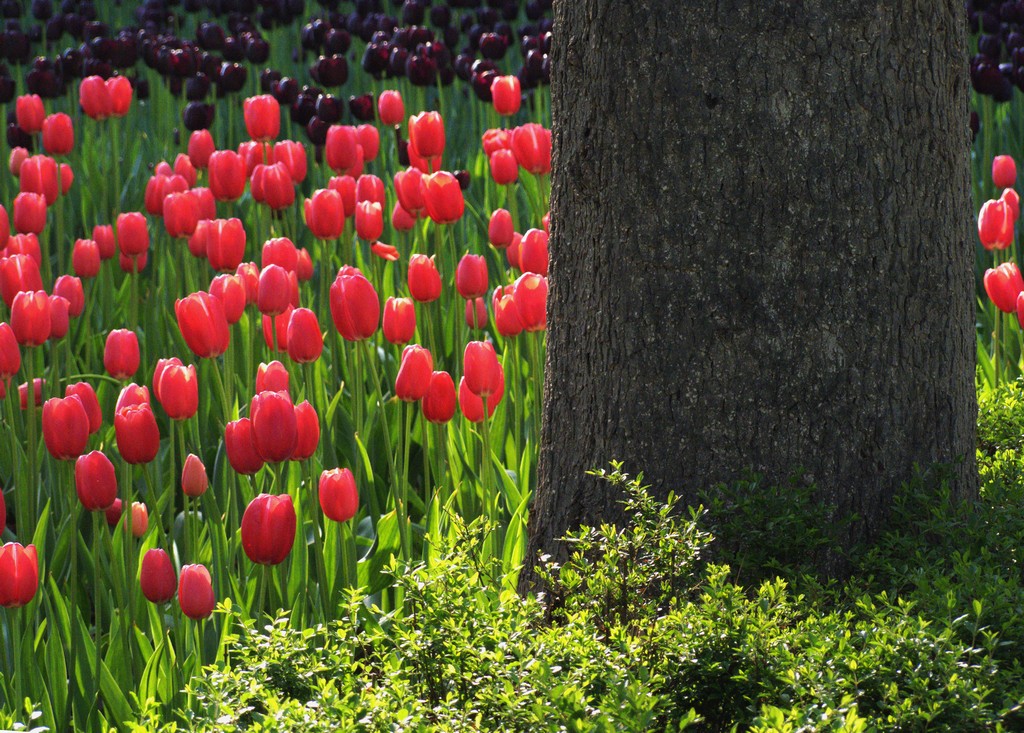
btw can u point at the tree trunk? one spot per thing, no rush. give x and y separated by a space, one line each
760 253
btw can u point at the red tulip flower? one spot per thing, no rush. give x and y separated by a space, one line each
472 405
304 265
339 497
227 175
181 215
275 290
424 279
496 139
70 288
443 196
18 273
476 313
262 117
203 324
414 374
37 393
29 113
426 134
995 224
399 320
409 190
483 373
370 188
268 529
230 291
84 392
390 108
121 354
293 156
241 447
177 390
10 354
131 394
325 214
14 162
38 174
533 252
103 235
500 229
156 576
58 317
58 134
531 144
19 575
27 244
225 244
280 251
249 274
341 147
1012 199
95 481
504 167
355 307
369 220
200 148
305 341
194 481
29 213
438 404
65 427
94 98
138 438
274 429
506 95
195 592
530 295
346 188
1004 171
120 90
506 315
140 519
308 427
132 234
272 377
183 167
277 190
30 318
471 276
1003 284
402 220
369 141
5 229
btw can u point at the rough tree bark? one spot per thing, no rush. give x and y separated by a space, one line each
760 250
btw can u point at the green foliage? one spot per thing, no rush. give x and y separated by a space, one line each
1001 443
638 631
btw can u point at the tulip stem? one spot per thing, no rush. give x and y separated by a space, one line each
995 344
382 413
489 494
29 487
97 601
74 653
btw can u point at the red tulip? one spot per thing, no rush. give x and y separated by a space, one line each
200 148
29 113
230 291
113 513
369 220
121 354
195 592
58 134
29 213
249 274
65 427
512 253
27 244
277 187
38 174
409 190
262 117
476 313
203 324
426 134
120 95
496 139
1004 171
194 481
506 95
70 288
132 234
370 188
274 429
390 108
995 224
399 320
471 276
10 354
304 266
156 576
438 404
183 167
414 374
37 392
94 98
402 220
355 307
531 144
533 252
483 373
131 394
19 575
308 427
275 290
472 405
369 141
272 377
18 273
424 279
268 529
103 235
293 156
30 318
177 390
506 315
280 251
339 497
225 244
84 392
1003 284
58 317
530 295
158 188
138 438
500 229
504 167
5 228
95 481
140 519
17 157
181 215
325 214
346 188
443 197
340 148
305 341
1012 199
227 175
241 448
